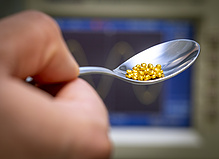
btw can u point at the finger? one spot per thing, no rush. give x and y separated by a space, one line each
86 97
28 121
78 89
32 45
85 105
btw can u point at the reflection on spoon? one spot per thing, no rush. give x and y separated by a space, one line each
174 57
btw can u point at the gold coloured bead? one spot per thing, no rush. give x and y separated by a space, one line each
135 74
134 71
150 65
134 68
134 77
148 77
141 73
153 76
156 69
142 68
129 75
161 71
143 65
158 66
138 66
129 71
140 78
155 73
159 75
151 72
145 72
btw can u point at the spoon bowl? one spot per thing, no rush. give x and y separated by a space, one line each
174 56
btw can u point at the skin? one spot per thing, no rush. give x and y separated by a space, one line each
68 120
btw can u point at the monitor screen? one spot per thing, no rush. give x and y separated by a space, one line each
108 43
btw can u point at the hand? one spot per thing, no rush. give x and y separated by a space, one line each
33 123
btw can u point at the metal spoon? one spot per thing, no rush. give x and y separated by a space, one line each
174 57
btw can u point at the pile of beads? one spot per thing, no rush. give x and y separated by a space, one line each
145 72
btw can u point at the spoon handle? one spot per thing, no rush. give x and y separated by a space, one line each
95 70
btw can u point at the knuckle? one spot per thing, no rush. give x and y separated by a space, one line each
42 23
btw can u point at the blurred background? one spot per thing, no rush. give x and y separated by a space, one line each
178 118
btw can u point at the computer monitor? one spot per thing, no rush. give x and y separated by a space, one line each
108 42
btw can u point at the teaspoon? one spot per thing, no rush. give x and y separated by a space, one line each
174 56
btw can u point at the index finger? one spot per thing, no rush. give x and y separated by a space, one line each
32 45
